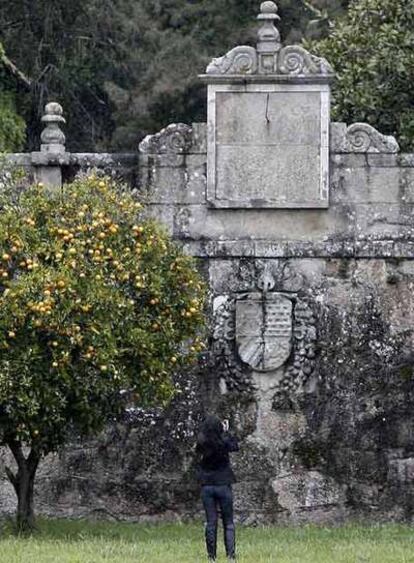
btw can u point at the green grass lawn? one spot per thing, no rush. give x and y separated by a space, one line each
85 542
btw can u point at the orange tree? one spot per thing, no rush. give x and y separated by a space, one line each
98 308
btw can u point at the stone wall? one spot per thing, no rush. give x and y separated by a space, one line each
311 319
328 434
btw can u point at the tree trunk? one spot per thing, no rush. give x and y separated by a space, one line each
23 483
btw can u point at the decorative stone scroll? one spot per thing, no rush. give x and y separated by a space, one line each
175 139
292 61
361 138
268 124
240 60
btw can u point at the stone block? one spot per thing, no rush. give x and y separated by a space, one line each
382 160
407 185
230 275
384 185
382 219
164 214
175 185
267 176
163 160
199 141
271 225
406 267
52 159
50 176
401 470
349 160
164 185
260 118
19 159
309 490
349 185
106 161
268 146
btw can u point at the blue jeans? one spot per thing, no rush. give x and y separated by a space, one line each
217 497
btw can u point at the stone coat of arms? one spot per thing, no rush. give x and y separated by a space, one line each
264 330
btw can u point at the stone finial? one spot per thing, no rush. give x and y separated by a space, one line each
292 62
268 35
52 137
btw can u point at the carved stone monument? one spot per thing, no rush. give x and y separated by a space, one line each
264 330
268 124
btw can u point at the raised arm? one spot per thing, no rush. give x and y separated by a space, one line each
232 443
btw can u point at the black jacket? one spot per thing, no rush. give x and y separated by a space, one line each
214 465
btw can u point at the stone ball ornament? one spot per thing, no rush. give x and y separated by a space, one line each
53 108
268 11
268 7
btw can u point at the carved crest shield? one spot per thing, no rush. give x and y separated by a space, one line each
264 330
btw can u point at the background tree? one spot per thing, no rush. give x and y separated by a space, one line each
324 13
124 68
372 51
98 307
12 126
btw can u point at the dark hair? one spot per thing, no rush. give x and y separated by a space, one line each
210 438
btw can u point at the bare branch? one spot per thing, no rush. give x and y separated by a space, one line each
313 9
12 68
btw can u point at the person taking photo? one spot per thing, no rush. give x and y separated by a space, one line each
214 444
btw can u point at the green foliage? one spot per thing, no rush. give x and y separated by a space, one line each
372 51
98 307
324 12
12 126
125 68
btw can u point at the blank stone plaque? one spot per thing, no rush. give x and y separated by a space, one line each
268 125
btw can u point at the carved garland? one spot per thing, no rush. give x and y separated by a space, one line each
223 351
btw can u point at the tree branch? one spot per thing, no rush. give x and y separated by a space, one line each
16 450
12 68
313 8
33 460
12 477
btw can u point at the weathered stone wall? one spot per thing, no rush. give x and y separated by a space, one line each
327 435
